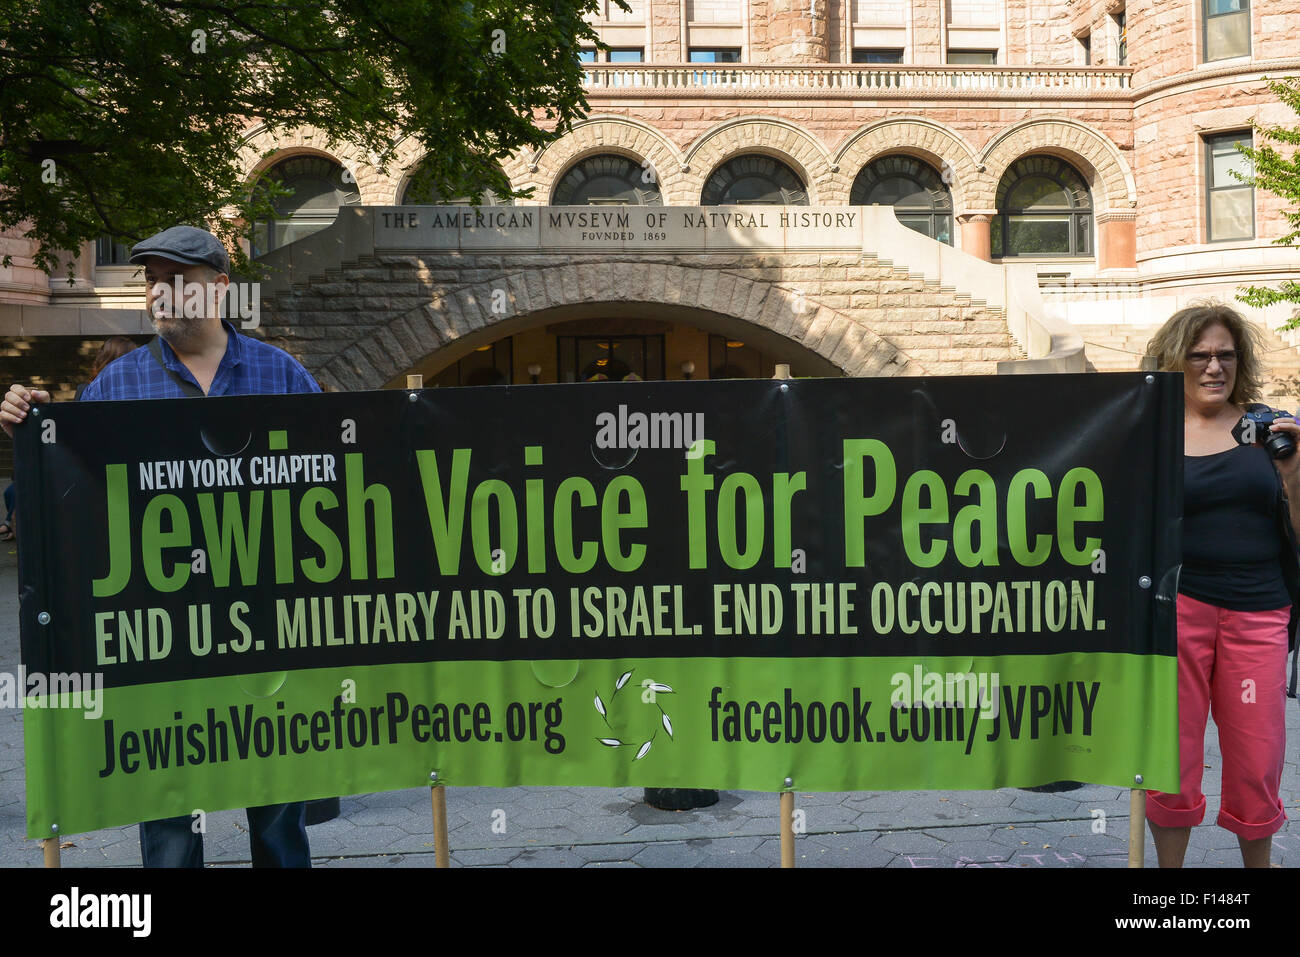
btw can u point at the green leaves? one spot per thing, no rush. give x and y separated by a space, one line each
128 116
1279 175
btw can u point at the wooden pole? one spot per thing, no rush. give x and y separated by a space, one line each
438 796
1137 828
51 847
787 829
441 849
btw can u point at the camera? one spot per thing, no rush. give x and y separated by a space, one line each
1254 429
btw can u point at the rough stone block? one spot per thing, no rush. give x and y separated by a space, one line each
552 286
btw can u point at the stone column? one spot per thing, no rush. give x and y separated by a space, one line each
927 32
82 272
1016 49
797 31
666 31
975 236
1117 239
86 262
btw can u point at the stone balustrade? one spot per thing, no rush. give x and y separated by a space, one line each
716 79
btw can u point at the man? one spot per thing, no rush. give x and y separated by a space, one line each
196 355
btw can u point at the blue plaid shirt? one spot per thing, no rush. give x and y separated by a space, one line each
249 367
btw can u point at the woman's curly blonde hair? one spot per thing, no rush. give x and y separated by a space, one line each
1179 334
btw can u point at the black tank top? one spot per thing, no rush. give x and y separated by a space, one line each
1231 544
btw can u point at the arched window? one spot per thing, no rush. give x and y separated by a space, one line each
754 180
418 190
918 194
607 180
317 188
1044 209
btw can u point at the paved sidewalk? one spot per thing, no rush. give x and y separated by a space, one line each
610 827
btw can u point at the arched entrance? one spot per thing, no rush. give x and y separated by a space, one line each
613 342
417 289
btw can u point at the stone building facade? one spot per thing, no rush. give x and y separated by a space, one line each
1087 144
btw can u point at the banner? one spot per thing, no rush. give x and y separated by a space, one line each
856 584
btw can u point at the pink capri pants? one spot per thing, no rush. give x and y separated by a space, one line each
1235 662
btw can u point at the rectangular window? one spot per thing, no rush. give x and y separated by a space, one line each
874 55
109 253
733 359
973 57
1227 28
587 55
486 365
715 55
627 55
1085 49
1230 203
1046 235
1121 29
609 358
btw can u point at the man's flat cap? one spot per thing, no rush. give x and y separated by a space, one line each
184 244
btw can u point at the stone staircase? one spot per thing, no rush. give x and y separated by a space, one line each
961 298
1119 348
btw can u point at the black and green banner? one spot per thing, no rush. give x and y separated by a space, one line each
856 584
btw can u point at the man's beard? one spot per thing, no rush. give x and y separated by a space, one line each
179 332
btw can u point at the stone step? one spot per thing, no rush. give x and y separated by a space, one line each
1130 336
1120 349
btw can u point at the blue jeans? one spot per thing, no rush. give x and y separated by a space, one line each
277 835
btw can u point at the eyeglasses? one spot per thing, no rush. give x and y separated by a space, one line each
1199 360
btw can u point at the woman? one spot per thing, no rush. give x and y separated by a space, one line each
114 348
1233 598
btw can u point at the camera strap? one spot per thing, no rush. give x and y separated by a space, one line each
1290 557
189 388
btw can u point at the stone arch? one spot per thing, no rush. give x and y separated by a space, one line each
779 139
1097 159
913 136
518 169
407 161
459 318
606 134
405 158
263 149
